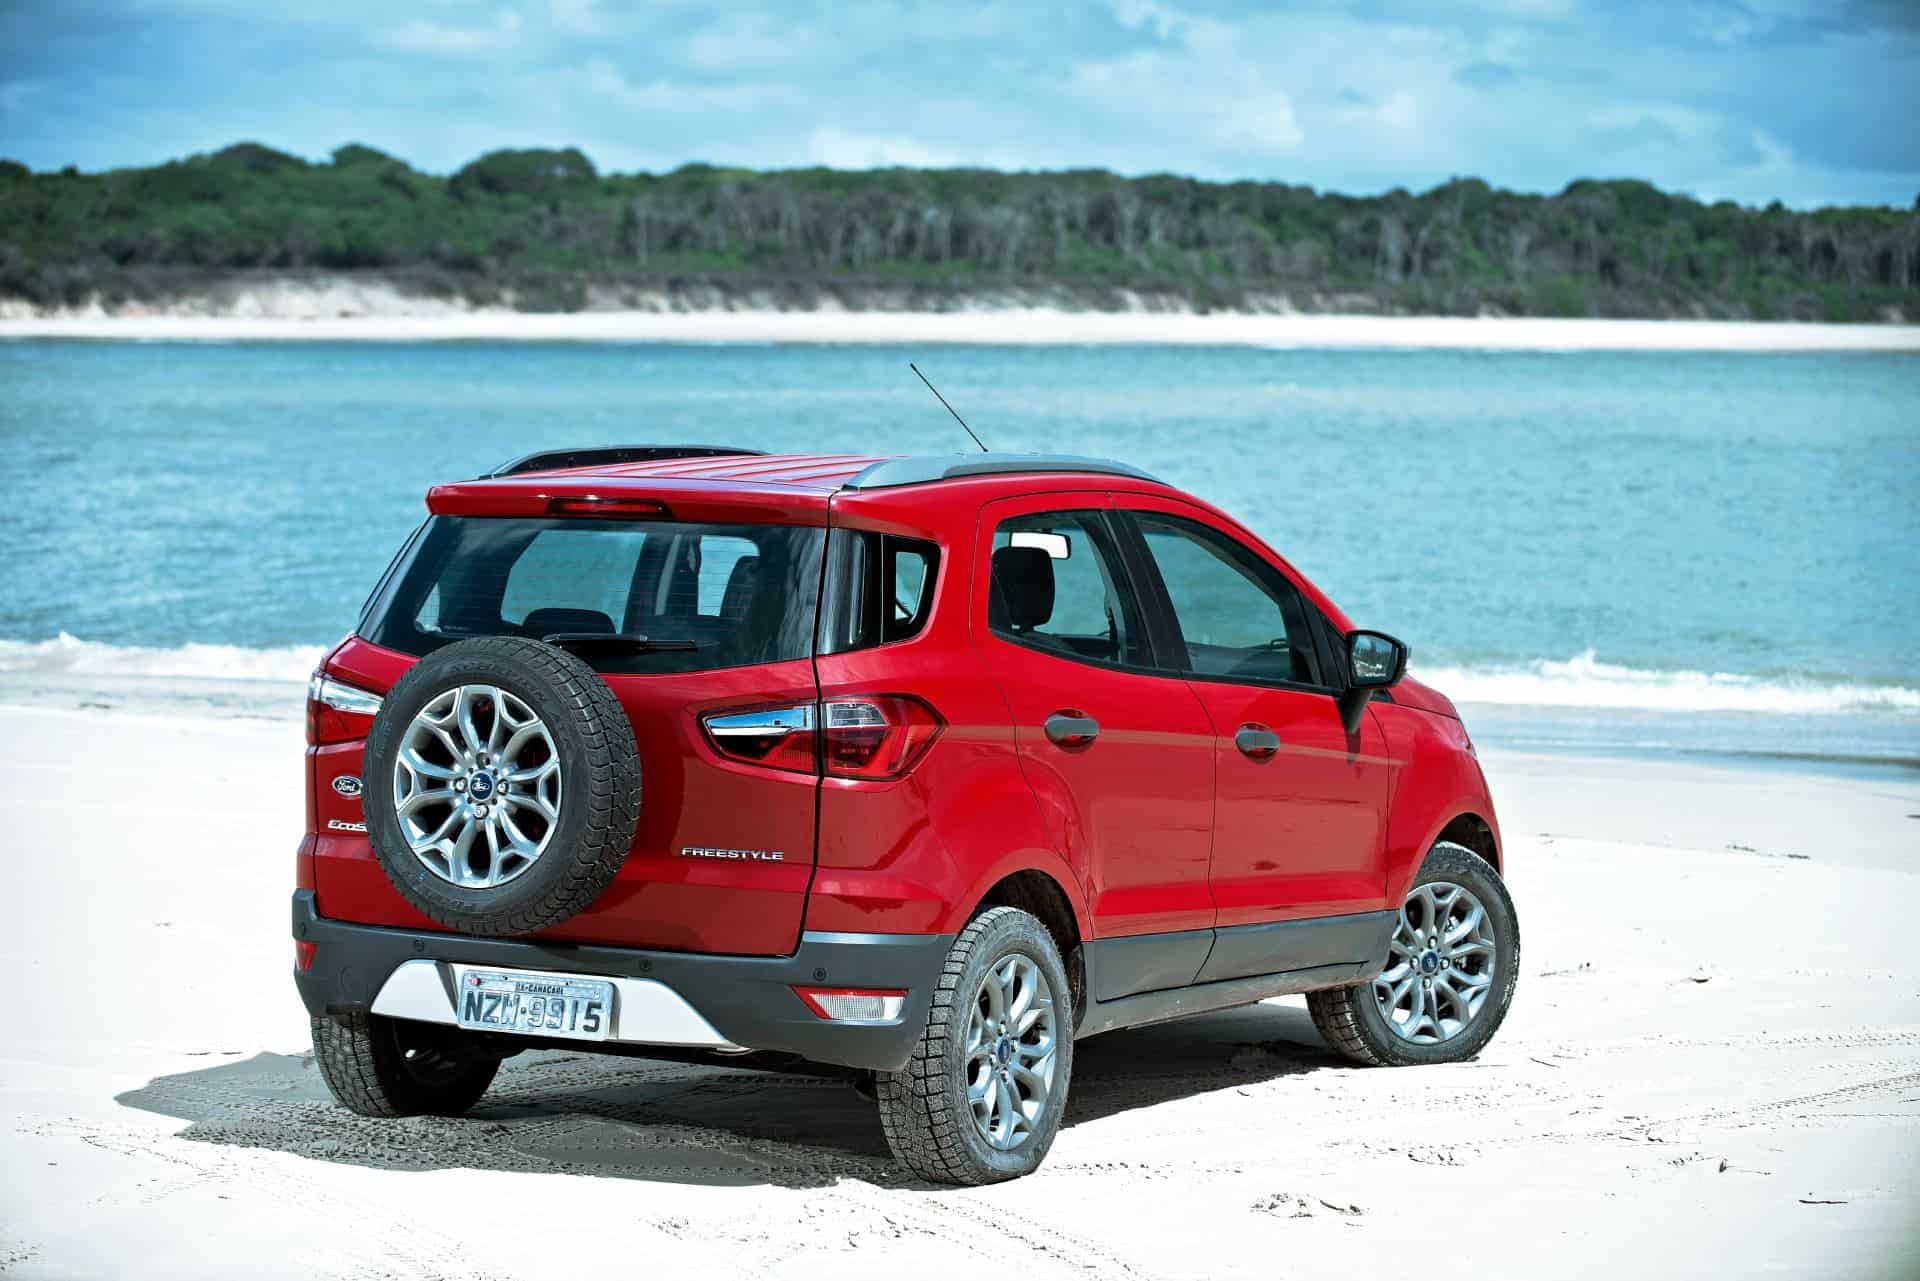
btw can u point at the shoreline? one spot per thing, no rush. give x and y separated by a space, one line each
1000 327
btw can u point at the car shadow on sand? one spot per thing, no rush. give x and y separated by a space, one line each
702 1123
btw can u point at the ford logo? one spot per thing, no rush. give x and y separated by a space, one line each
480 786
347 785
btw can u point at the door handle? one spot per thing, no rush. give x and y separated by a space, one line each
1256 742
1072 729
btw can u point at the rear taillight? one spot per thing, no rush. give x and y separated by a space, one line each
338 712
877 737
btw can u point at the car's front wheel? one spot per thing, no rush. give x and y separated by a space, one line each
378 1066
982 1097
1451 969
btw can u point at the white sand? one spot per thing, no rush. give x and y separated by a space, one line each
1713 1068
1036 326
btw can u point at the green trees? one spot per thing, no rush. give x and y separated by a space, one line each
547 230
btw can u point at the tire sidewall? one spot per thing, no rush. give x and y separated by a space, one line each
1026 936
480 911
1461 866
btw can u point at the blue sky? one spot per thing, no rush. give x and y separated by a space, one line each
1806 102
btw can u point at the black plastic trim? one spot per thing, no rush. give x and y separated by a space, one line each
1150 978
1119 967
748 999
1242 951
1177 1003
923 470
610 455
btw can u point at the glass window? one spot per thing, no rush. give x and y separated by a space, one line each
1056 586
1239 617
879 589
743 594
576 569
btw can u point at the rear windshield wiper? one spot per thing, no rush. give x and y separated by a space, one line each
624 641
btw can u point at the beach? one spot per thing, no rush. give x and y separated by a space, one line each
1712 1068
288 315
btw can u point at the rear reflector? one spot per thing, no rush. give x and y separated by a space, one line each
854 1004
303 955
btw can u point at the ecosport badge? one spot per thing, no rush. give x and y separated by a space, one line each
347 785
754 856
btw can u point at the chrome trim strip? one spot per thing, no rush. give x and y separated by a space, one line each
645 1011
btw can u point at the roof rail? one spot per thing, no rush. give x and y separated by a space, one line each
925 470
596 455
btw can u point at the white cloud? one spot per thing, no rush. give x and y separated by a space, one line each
751 40
450 40
607 82
838 149
579 17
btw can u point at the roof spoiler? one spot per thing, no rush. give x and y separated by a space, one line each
608 455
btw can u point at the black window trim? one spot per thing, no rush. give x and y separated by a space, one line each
1164 621
1126 579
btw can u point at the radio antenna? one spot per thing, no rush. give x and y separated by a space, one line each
950 409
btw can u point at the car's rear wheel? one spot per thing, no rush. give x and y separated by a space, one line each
982 1098
378 1066
1451 969
502 786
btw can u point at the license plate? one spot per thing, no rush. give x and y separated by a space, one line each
535 1004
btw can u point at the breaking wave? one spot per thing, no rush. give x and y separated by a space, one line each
69 656
1584 681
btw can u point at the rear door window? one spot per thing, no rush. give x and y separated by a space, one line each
1056 585
742 594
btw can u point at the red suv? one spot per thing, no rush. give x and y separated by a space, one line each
925 767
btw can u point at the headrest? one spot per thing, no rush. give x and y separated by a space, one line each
741 581
1023 580
551 621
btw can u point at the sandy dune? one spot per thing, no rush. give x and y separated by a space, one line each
1038 326
1713 1069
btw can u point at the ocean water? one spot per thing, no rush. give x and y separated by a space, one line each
1632 551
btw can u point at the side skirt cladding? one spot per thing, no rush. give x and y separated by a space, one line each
1153 978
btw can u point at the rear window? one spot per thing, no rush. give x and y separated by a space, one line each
743 594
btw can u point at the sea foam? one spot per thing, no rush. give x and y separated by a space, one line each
69 656
1585 681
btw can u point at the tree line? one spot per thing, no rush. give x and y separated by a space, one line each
545 230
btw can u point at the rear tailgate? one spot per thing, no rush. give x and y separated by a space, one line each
724 849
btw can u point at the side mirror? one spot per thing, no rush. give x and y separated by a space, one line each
1375 660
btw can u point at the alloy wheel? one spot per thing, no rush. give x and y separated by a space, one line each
476 786
1440 965
1010 1051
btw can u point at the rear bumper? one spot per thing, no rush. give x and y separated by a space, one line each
743 1002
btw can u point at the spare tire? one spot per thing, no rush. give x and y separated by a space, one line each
502 785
